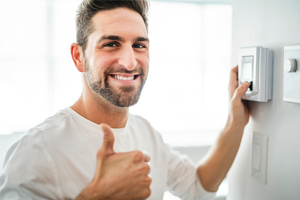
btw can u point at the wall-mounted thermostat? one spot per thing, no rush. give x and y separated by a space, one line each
255 66
291 74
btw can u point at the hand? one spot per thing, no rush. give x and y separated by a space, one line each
239 112
118 175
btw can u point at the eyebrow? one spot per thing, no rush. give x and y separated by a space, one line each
118 38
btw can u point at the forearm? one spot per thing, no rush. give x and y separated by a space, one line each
89 194
214 167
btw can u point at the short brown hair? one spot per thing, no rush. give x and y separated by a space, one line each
88 8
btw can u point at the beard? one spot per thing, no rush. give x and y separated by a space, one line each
123 96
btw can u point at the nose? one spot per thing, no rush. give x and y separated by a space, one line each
127 58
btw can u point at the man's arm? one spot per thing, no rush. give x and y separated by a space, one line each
216 164
28 172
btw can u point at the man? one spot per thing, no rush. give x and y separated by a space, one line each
69 156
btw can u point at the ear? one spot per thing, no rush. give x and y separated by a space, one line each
77 56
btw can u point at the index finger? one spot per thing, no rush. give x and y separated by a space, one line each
234 73
233 82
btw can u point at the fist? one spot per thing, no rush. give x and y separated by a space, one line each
119 175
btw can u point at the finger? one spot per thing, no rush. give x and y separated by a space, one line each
146 156
105 150
108 140
235 69
234 73
241 90
233 82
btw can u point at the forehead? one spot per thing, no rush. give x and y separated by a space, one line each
119 21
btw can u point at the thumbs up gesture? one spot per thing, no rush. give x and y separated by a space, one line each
118 175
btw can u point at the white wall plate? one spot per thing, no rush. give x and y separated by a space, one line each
259 157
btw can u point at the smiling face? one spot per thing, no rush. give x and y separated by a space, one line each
116 58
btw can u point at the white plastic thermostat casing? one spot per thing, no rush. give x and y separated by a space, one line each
255 66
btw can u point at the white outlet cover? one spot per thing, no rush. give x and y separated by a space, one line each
259 157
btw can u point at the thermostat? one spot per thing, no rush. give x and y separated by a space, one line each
255 66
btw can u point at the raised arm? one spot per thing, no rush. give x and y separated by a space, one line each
216 164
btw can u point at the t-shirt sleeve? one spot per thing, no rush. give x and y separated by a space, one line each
182 178
28 172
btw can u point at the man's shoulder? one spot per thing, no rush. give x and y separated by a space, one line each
54 128
52 123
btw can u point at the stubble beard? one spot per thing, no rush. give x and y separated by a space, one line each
123 96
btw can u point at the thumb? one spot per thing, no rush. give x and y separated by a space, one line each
105 150
241 90
108 140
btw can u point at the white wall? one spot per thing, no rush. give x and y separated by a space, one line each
273 24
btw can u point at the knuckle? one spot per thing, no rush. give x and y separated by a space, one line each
147 193
239 91
145 167
233 101
137 156
99 153
148 180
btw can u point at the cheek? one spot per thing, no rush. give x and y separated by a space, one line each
102 65
144 60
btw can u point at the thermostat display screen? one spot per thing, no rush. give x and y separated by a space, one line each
247 68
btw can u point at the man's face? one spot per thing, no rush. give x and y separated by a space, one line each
117 56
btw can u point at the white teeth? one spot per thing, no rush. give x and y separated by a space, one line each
118 77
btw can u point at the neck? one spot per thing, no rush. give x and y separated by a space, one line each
99 110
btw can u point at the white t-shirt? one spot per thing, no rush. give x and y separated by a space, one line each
57 159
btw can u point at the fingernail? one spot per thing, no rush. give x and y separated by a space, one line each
246 84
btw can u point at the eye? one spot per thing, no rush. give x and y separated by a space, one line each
111 44
140 46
